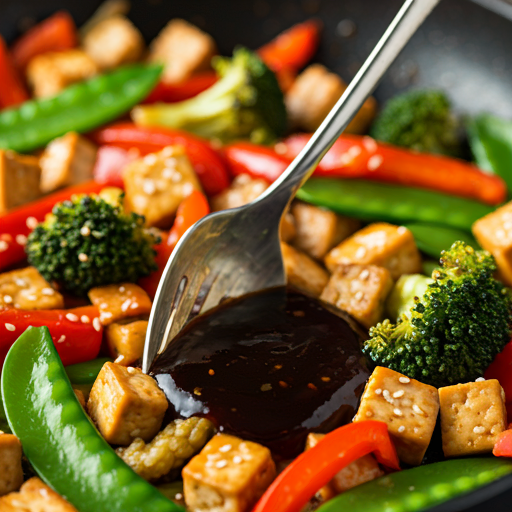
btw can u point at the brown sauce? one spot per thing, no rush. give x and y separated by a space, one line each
268 367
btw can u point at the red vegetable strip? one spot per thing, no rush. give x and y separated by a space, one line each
109 165
172 93
77 333
12 90
501 369
503 445
16 225
208 165
313 469
56 33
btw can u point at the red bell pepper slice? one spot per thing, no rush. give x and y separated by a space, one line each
294 48
12 90
77 333
314 468
503 445
109 165
501 369
56 33
17 224
172 93
208 165
192 208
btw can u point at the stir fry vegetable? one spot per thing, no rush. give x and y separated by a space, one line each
12 90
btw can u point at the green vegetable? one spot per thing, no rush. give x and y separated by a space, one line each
490 139
80 107
406 289
246 103
456 329
422 487
88 242
4 425
429 266
372 201
85 373
432 240
61 441
420 120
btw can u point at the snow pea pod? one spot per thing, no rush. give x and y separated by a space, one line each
373 201
422 487
80 107
60 440
85 373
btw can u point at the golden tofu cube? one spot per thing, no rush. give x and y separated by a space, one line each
287 229
114 41
359 290
126 404
183 49
119 301
11 472
319 230
472 417
314 93
302 272
126 341
66 161
35 496
156 185
228 475
494 234
27 289
381 244
19 179
243 190
50 73
409 408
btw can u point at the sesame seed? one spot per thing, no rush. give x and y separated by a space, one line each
135 432
10 327
21 239
359 295
312 386
401 429
48 291
480 379
178 496
401 230
43 492
278 366
375 162
221 464
85 231
197 391
7 299
237 459
417 409
398 394
20 282
130 369
122 289
31 222
85 319
404 380
360 253
135 305
62 339
31 296
168 173
105 314
211 371
171 162
150 159
369 414
266 387
370 144
397 412
479 430
148 186
283 384
387 396
364 275
3 246
118 359
326 379
72 317
416 430
126 304
225 448
281 148
378 391
83 257
96 324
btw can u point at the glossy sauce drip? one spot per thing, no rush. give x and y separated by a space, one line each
269 367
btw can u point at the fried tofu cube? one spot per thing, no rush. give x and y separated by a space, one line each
126 404
80 396
228 475
472 417
35 496
50 73
359 290
26 288
381 244
119 301
409 408
19 179
243 190
494 234
126 341
314 93
114 41
66 161
287 229
302 272
11 472
183 49
156 185
319 230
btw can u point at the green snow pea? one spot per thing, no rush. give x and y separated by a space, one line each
80 107
372 201
60 440
420 488
85 373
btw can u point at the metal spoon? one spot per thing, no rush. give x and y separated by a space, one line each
234 252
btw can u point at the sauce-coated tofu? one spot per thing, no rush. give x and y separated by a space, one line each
183 49
228 475
303 272
472 417
409 408
359 290
381 244
126 341
156 185
66 161
126 404
27 289
19 179
49 73
243 190
114 41
118 301
319 230
11 472
494 234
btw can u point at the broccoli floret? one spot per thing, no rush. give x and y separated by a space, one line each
246 103
419 120
88 242
455 330
401 299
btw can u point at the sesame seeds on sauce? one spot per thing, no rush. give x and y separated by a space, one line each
21 239
85 230
375 162
3 245
83 257
10 327
31 222
404 380
72 317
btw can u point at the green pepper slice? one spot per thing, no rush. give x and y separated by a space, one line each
61 441
80 107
